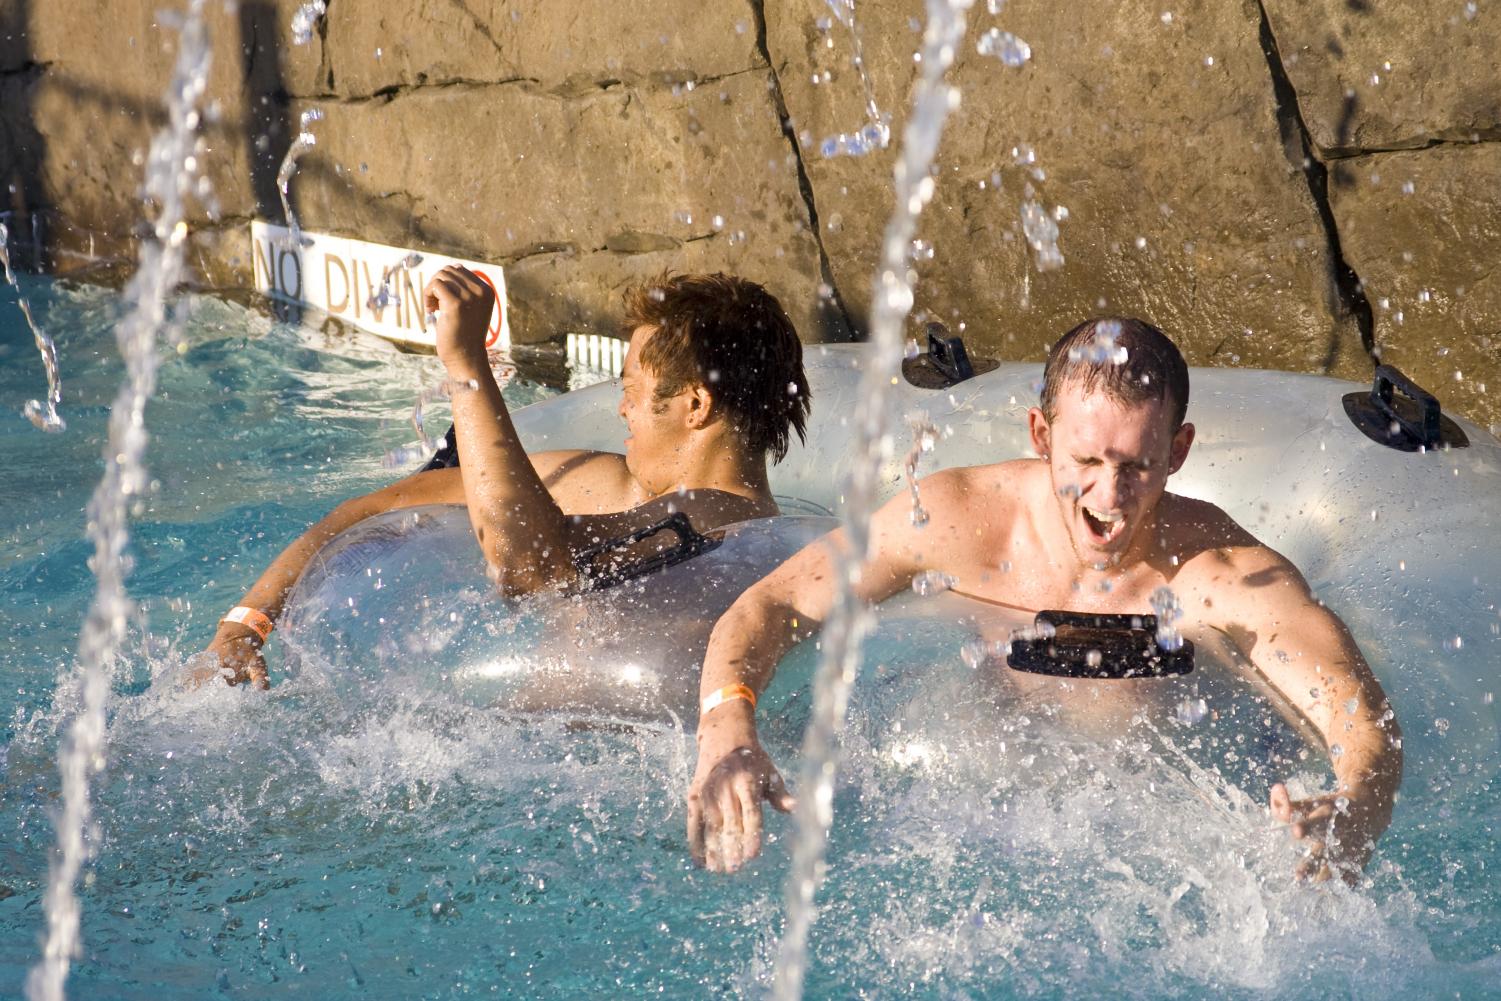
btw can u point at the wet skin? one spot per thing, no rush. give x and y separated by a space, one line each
1088 527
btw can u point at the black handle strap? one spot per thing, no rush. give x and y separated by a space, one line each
1426 430
948 354
1102 647
599 573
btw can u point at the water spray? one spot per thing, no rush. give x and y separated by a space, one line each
849 620
171 169
43 414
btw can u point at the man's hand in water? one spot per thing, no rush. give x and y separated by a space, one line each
724 799
234 657
1339 829
463 302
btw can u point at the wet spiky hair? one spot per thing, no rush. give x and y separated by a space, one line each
1128 360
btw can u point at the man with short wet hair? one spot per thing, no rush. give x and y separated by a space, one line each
1087 526
713 383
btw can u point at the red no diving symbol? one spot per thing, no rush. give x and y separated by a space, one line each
499 308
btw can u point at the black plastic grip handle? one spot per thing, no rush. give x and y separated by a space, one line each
690 544
1428 431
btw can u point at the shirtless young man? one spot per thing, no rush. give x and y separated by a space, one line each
1088 527
713 382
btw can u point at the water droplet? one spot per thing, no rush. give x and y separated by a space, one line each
1335 750
1191 711
1042 235
931 582
995 7
1441 725
305 19
1168 609
1167 17
1004 46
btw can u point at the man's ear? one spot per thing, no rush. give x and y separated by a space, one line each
700 406
1182 441
1042 435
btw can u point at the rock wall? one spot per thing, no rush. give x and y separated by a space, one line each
1294 184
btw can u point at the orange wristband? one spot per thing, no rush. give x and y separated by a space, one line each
728 693
253 619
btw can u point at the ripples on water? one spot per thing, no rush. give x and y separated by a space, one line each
398 844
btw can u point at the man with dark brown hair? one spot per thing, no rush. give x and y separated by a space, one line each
713 381
1087 526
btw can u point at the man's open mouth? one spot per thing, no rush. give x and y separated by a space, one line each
1104 526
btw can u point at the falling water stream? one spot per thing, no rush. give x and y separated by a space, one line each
170 175
42 413
876 132
891 301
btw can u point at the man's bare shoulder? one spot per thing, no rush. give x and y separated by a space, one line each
587 482
961 488
1216 555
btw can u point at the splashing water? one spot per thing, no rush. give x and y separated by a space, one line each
305 141
924 438
1041 230
399 458
385 295
931 582
1168 609
849 620
1004 46
43 414
170 176
305 20
876 133
1103 348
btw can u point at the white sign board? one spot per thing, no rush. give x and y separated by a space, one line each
344 278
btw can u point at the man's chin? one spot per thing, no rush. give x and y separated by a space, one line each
1100 554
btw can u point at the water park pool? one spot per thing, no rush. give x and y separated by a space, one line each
382 842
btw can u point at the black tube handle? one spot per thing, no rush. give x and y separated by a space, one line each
1428 431
690 544
948 354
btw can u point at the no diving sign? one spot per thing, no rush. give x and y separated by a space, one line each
374 287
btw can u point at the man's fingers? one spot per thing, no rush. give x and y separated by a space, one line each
750 819
695 828
1281 803
777 794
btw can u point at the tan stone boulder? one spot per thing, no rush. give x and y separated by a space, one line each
1383 76
574 195
99 103
1423 229
1160 137
572 48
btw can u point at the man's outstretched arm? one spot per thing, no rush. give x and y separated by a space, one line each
1309 656
734 773
523 533
237 646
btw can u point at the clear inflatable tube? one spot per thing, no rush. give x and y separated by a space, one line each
1402 545
402 599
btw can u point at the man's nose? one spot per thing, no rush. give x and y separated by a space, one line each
1109 487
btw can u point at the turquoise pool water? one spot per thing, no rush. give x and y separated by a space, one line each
404 844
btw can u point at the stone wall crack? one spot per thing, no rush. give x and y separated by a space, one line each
1300 148
839 324
1429 142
